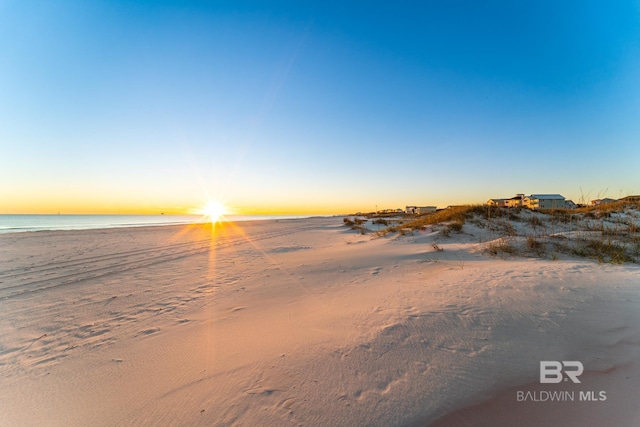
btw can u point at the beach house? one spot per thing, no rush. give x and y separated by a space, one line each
598 202
544 201
497 202
630 199
513 202
420 209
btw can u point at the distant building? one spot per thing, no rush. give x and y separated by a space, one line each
598 202
569 204
420 209
513 202
544 201
497 202
630 199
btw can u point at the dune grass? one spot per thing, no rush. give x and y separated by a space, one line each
456 214
606 233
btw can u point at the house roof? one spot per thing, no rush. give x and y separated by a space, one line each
547 196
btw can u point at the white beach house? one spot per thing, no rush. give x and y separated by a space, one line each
420 209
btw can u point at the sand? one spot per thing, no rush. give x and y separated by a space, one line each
305 322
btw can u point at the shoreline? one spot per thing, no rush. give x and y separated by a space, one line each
145 221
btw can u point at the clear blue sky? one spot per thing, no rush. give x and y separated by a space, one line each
150 106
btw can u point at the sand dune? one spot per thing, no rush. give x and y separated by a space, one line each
302 322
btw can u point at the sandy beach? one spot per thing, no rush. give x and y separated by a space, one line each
305 322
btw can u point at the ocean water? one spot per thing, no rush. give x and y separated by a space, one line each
24 223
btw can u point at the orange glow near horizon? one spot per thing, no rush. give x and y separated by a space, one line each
128 206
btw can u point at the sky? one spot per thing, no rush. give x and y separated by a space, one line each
314 107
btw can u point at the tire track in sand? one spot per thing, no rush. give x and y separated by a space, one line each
63 273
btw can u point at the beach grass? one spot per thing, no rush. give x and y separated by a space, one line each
607 233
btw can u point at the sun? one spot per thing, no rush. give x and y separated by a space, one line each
214 211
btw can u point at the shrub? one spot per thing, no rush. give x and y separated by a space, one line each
406 231
603 251
501 246
535 246
355 221
514 214
535 221
508 229
360 228
456 226
560 215
478 222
